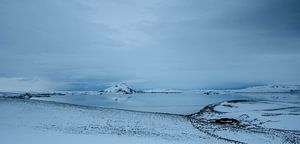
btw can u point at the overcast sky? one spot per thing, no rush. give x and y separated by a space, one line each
186 44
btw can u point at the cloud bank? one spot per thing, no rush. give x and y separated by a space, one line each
86 44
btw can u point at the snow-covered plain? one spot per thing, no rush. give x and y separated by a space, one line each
221 118
31 121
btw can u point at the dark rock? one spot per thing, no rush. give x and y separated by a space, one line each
226 121
239 101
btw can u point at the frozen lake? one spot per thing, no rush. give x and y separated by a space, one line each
181 103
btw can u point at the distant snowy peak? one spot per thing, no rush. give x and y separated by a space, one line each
272 88
120 89
163 91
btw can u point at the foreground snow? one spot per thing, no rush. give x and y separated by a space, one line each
273 119
30 121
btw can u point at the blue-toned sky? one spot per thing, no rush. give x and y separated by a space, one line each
186 44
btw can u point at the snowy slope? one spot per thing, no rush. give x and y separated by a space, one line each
35 122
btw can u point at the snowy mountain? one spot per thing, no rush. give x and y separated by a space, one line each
273 88
120 89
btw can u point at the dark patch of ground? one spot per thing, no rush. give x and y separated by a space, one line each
211 126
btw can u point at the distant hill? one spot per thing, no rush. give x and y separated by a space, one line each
163 91
272 88
121 88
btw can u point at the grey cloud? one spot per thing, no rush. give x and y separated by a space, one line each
176 43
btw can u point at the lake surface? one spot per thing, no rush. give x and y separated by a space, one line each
182 103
